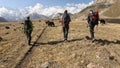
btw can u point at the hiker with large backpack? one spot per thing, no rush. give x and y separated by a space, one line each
93 18
28 28
65 24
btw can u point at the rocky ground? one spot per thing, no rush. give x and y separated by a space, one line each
48 50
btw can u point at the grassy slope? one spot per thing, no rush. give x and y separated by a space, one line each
85 11
113 11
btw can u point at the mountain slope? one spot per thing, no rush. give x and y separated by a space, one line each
2 19
37 16
106 1
103 7
113 11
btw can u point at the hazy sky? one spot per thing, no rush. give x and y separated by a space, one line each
47 3
22 8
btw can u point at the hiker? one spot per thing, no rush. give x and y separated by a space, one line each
28 28
93 18
65 24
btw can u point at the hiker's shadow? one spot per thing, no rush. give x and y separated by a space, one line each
57 42
104 42
107 42
73 40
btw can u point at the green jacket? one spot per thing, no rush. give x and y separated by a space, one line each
28 26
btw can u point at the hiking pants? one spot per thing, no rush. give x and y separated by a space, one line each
65 31
92 30
28 34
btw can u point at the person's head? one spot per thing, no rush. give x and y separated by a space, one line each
91 11
65 11
28 18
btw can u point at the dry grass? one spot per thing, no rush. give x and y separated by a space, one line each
113 11
110 11
78 52
14 45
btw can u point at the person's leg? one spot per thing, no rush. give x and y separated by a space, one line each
27 35
67 29
64 32
29 39
92 31
65 37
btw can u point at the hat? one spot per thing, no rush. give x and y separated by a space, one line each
91 11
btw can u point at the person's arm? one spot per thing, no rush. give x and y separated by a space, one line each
69 19
88 19
31 24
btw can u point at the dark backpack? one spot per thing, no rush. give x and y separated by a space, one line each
27 24
95 18
66 18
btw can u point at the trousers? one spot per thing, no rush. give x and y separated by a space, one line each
65 31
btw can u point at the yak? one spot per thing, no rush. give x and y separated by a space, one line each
49 23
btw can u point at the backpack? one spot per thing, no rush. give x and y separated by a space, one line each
27 24
66 18
95 18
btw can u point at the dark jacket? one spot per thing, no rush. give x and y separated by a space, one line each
93 18
28 26
66 19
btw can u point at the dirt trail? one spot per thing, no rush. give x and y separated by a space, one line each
30 49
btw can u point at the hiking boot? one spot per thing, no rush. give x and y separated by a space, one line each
29 44
93 39
65 39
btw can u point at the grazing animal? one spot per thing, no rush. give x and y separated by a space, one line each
102 21
50 23
39 20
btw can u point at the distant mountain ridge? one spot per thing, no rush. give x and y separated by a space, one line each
59 15
37 16
32 16
19 14
2 19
